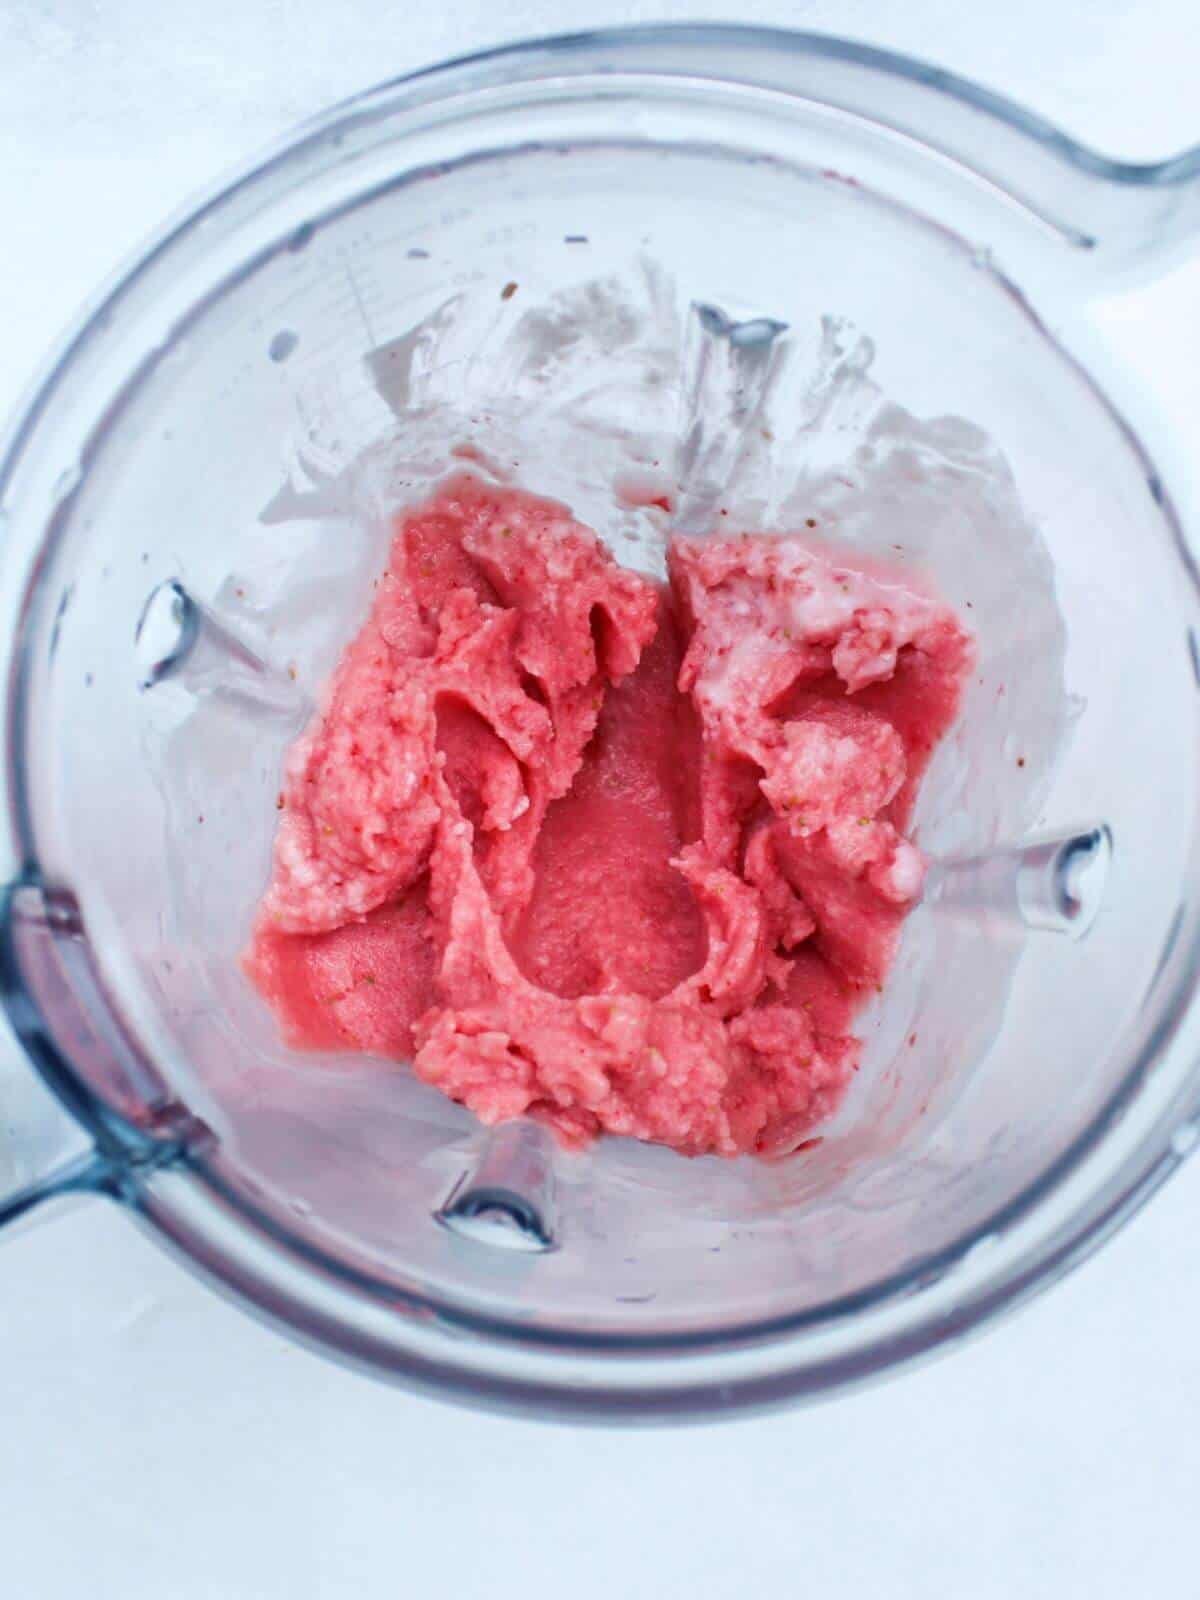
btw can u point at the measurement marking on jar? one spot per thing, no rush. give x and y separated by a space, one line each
358 300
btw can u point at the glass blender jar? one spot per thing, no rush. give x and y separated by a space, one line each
1032 1078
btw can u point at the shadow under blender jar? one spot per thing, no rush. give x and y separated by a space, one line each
1028 1076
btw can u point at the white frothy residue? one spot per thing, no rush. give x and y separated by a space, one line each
817 602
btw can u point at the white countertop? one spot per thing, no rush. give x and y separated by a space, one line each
155 1442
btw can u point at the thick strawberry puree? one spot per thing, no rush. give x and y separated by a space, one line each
622 858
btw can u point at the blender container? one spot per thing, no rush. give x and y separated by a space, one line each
593 250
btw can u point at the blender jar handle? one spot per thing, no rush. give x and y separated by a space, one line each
57 1136
44 1153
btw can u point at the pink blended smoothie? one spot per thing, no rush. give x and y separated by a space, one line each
624 858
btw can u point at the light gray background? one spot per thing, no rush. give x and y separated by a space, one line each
154 1442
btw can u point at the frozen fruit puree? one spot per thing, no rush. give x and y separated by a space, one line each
621 857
